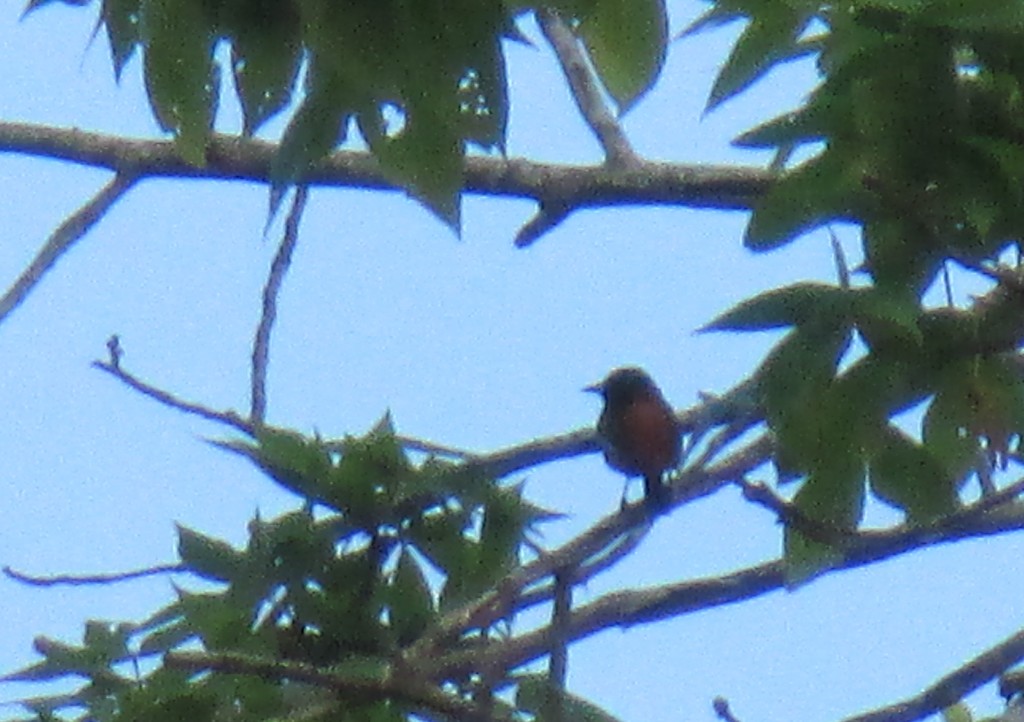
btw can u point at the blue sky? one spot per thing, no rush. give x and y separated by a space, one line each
468 342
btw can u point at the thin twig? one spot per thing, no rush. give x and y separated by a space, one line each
229 418
954 686
62 239
585 91
429 447
79 580
278 269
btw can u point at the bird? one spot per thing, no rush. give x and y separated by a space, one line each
638 430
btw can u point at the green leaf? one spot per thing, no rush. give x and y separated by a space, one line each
207 557
946 431
180 74
832 496
316 127
425 158
906 475
626 42
535 695
221 622
411 605
167 638
788 306
502 533
122 21
266 54
770 37
800 201
797 127
887 318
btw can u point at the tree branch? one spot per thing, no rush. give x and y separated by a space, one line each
229 418
61 240
369 687
233 158
630 607
278 269
953 687
585 90
79 580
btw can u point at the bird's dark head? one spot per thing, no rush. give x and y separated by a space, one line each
623 385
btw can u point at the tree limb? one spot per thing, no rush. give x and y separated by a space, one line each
233 158
61 240
627 608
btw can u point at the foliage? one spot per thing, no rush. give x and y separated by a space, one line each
420 79
914 133
379 552
899 82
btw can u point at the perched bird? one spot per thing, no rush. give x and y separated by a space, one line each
638 430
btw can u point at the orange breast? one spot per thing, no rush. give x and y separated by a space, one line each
650 436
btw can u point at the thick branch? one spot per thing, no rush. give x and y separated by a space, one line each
231 158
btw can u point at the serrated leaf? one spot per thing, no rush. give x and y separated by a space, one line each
770 37
180 74
906 475
207 557
793 305
626 42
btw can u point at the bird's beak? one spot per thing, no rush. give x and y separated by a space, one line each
597 388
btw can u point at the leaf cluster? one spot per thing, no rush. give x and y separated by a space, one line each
379 552
419 79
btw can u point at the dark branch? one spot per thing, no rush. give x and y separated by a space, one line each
229 418
630 607
278 269
61 240
231 158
